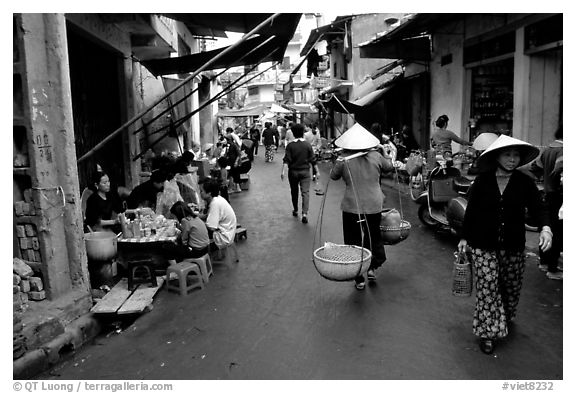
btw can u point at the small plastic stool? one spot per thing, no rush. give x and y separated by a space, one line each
141 264
226 255
240 233
182 270
205 265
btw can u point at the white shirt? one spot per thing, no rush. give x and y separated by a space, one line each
221 216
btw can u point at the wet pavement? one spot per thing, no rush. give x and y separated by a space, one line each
272 316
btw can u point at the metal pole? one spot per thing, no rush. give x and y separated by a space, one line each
206 65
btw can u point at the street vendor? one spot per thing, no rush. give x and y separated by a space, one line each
102 207
145 194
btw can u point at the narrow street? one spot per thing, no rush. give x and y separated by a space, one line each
272 316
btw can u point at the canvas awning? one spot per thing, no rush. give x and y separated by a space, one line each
408 41
243 112
320 33
269 45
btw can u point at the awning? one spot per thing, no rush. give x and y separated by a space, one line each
278 109
358 105
216 25
269 45
407 49
301 108
320 33
409 41
243 112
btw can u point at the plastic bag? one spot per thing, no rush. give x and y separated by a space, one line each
414 164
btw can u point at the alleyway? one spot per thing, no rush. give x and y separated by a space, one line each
273 317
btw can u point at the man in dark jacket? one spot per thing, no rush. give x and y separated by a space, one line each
299 158
144 195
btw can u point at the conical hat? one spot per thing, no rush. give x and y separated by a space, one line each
484 140
357 138
527 151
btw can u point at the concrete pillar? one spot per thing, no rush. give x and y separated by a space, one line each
54 172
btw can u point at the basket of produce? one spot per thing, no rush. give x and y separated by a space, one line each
340 262
392 227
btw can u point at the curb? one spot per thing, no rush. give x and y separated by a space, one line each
76 334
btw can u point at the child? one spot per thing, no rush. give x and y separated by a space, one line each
194 241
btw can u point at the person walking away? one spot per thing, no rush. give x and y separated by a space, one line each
299 159
545 166
289 137
312 136
362 201
494 233
194 241
255 137
220 218
233 159
442 138
270 142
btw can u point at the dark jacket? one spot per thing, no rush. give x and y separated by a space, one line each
299 156
493 221
269 137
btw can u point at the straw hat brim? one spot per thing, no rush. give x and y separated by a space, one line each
528 152
357 138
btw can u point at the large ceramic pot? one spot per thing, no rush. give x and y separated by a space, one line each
101 246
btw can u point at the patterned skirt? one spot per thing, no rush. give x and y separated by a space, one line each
269 156
498 283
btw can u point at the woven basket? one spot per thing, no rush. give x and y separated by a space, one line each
327 263
462 276
395 234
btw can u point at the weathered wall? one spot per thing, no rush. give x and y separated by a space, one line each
54 175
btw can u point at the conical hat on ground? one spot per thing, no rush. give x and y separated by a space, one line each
527 151
357 138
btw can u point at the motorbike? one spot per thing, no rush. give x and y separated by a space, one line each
443 199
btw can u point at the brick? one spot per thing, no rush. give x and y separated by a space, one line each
16 317
37 295
20 267
36 284
35 244
25 285
28 195
16 279
15 289
20 231
30 231
24 243
25 208
30 255
37 256
24 298
18 210
16 298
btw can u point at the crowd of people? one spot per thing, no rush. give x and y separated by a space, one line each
494 224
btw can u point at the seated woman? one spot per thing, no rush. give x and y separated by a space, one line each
102 207
194 241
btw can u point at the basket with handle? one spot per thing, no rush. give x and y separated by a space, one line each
341 262
462 275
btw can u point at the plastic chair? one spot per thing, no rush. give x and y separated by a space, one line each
142 264
182 271
205 264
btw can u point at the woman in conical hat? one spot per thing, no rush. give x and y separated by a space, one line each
494 233
363 197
